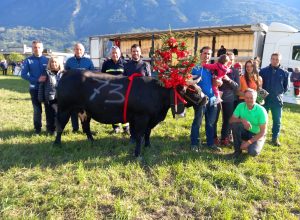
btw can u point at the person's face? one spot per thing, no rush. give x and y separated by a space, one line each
115 55
78 50
256 62
249 68
239 69
54 65
231 59
136 53
250 99
37 49
205 55
275 61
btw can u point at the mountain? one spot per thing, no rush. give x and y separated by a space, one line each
60 23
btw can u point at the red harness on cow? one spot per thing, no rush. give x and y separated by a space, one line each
177 96
127 94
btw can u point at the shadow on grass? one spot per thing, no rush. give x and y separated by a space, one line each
8 134
292 107
104 152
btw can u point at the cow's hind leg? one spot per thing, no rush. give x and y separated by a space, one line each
140 126
85 122
61 120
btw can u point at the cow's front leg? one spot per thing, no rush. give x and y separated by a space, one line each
61 120
147 137
85 121
138 146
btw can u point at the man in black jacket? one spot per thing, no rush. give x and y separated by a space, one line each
115 66
136 64
221 51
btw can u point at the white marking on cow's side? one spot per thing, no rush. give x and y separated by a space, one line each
104 83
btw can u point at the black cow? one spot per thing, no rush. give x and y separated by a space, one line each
101 97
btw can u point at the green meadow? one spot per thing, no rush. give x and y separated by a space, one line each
105 181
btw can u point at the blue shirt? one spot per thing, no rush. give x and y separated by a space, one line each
275 82
79 63
33 67
205 80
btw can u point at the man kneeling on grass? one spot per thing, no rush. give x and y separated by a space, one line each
249 125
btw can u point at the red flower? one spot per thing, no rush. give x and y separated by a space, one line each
173 70
172 42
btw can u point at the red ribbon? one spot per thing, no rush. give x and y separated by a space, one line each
177 95
127 94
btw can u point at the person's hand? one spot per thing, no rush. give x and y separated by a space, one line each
246 124
226 78
217 82
42 78
244 145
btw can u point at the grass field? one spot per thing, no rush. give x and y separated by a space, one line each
105 181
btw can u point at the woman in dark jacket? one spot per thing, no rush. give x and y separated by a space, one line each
48 82
230 86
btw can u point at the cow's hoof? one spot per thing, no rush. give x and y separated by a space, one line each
56 144
92 144
147 144
139 158
90 138
137 154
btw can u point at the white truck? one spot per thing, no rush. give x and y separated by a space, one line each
250 40
284 39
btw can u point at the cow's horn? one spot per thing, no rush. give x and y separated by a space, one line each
196 79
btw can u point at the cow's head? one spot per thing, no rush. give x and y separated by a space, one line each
192 93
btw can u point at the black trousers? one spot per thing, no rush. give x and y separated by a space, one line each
227 111
37 112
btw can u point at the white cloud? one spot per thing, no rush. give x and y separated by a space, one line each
151 3
77 9
173 2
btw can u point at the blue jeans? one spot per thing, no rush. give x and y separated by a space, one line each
276 111
210 113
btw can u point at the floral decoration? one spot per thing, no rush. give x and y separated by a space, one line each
173 61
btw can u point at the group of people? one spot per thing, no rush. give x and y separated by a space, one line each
243 118
228 91
43 75
4 67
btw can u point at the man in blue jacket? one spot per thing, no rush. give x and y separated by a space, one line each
33 67
78 61
275 82
209 110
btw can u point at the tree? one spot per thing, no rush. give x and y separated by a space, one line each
15 57
1 57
